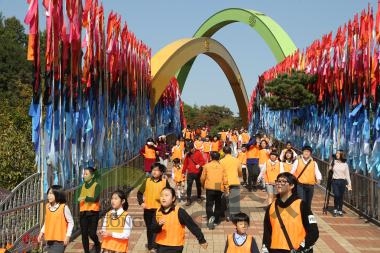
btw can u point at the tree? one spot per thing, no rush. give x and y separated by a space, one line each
289 91
16 150
214 116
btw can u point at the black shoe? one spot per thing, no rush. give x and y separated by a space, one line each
188 203
199 199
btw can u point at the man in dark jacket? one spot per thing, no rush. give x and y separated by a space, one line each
299 231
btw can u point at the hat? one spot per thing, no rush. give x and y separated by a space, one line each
307 148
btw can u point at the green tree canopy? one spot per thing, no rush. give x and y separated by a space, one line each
289 91
16 150
214 116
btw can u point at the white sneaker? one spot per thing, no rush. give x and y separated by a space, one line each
335 213
340 213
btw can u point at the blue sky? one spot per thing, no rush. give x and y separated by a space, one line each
161 22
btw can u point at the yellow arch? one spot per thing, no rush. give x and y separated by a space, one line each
172 57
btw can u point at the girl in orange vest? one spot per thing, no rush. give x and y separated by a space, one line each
89 208
270 172
177 151
170 223
149 153
263 153
206 149
117 225
215 144
59 222
178 177
288 161
148 198
239 241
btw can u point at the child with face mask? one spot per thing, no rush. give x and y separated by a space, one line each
89 207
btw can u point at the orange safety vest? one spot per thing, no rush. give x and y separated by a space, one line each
244 248
215 146
117 226
253 152
182 144
287 166
242 156
308 176
149 153
203 133
245 138
223 136
178 176
291 216
188 135
55 224
198 145
272 171
173 232
206 147
177 152
263 156
152 193
90 192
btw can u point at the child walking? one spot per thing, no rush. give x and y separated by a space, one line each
178 178
240 241
170 222
117 225
212 181
89 207
148 198
59 222
270 171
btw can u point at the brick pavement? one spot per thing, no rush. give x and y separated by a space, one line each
349 233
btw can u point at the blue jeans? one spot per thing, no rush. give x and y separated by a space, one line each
305 192
55 247
338 187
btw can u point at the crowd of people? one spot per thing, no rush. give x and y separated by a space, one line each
220 165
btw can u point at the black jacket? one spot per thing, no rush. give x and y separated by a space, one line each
312 232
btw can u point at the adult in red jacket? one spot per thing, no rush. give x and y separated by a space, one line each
193 166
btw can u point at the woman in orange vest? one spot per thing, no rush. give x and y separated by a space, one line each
288 161
170 223
149 153
117 225
253 162
240 241
148 198
263 153
59 222
89 207
298 220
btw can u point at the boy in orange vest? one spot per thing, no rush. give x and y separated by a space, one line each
298 222
242 156
148 198
239 241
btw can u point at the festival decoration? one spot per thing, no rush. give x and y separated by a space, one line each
94 108
347 114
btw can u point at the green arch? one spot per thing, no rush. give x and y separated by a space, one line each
274 36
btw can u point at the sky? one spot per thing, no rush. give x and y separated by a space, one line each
160 22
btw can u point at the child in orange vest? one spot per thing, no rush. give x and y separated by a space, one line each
270 172
170 223
178 177
59 222
117 225
148 198
240 241
242 156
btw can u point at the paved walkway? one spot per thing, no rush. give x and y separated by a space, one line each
349 233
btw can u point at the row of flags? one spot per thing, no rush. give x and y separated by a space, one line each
93 108
347 111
